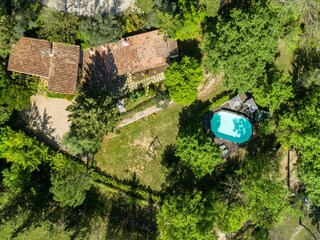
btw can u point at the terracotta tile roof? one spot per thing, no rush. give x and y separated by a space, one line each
64 68
136 53
57 62
31 56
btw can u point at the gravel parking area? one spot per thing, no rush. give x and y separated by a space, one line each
89 7
48 118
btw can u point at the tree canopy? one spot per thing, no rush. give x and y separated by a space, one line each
69 184
57 26
100 29
21 150
186 217
198 152
243 45
182 79
90 120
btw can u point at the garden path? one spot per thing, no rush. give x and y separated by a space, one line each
141 114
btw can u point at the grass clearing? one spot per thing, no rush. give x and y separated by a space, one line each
283 62
292 230
125 155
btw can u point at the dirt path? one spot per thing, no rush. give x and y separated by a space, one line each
208 86
296 232
294 180
137 116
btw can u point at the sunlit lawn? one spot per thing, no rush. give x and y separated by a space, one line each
125 154
291 229
283 62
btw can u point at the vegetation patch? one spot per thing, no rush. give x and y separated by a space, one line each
60 95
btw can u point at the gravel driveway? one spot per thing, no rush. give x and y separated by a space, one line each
89 7
48 118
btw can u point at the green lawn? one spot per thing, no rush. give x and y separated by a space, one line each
125 154
283 62
291 229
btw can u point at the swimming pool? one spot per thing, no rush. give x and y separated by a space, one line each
231 126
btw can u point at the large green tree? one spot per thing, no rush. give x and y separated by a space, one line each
182 79
100 29
299 128
182 20
22 150
264 195
274 90
91 118
231 216
243 44
57 26
69 184
186 217
198 152
15 92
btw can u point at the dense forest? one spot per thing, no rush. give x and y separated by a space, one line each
269 49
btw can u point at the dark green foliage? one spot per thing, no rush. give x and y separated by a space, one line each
80 145
100 29
69 184
198 152
276 89
9 33
243 45
57 26
90 120
15 178
15 92
264 194
14 22
212 7
182 78
231 217
186 217
299 128
184 23
93 118
21 150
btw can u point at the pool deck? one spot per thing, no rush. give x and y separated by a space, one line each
233 148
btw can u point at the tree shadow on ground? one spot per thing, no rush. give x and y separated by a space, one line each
179 178
31 202
306 60
188 115
190 48
100 75
40 125
129 220
34 205
80 220
132 182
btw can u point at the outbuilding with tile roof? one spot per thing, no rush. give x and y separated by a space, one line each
56 62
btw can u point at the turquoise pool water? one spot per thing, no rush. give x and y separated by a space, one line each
231 126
